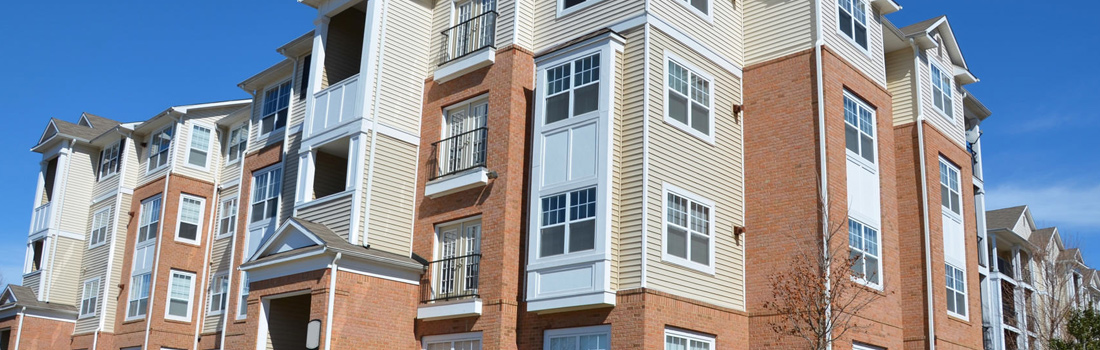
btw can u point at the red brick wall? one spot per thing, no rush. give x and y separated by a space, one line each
38 333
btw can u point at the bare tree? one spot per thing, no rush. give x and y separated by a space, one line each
817 298
1055 298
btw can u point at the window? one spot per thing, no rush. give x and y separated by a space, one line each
568 6
276 104
180 288
702 6
101 223
89 298
150 217
682 340
463 145
568 223
688 104
242 304
863 243
199 150
36 249
227 219
219 288
190 218
265 194
949 187
858 346
463 341
109 163
859 128
573 89
139 296
853 21
584 338
458 254
238 143
956 291
159 144
941 91
688 224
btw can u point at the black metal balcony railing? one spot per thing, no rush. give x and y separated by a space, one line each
1005 268
468 37
458 153
452 278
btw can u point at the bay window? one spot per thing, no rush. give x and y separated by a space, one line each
956 291
572 89
266 185
568 223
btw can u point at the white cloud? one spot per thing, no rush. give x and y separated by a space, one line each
1073 206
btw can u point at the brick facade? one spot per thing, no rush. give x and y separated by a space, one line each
37 332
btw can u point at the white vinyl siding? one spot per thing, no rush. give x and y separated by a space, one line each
109 160
956 291
89 299
238 143
276 105
190 219
181 290
159 145
583 338
689 230
863 247
688 105
101 224
227 218
682 340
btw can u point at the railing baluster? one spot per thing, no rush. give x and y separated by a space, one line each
455 278
467 37
459 153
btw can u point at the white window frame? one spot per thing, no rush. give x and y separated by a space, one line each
28 265
868 11
575 332
168 154
275 122
103 227
692 70
572 88
253 199
452 338
563 11
948 94
209 145
568 221
242 143
111 170
230 214
858 157
85 296
190 295
861 346
668 189
952 290
214 287
153 223
688 336
707 15
878 247
132 297
198 225
242 296
951 169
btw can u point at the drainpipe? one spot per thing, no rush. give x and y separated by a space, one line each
924 199
215 194
19 335
823 188
331 300
114 234
373 130
160 228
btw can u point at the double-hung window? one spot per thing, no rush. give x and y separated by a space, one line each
227 217
583 338
238 143
956 290
142 267
853 20
219 288
180 294
573 88
683 340
462 341
159 145
265 194
190 218
941 91
568 222
859 128
242 302
688 225
101 223
689 101
276 104
109 163
864 253
89 298
199 151
949 188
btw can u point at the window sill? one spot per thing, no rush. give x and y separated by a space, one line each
957 317
108 177
455 183
709 139
876 288
194 243
177 320
196 167
223 236
84 317
136 319
154 170
97 245
471 62
866 51
687 264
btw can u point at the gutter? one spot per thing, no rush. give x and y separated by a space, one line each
236 229
19 335
331 299
823 183
160 229
924 199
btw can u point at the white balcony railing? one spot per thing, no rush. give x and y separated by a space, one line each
41 218
335 106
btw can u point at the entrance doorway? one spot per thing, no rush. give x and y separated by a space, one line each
287 318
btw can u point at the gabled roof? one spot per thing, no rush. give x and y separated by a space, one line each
1071 254
20 296
1004 218
96 122
1041 237
299 237
922 33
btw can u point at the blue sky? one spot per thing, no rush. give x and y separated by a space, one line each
131 60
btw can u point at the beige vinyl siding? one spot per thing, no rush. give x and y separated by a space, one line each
954 128
551 30
110 184
774 28
722 34
219 263
870 62
712 171
206 119
297 96
506 17
391 198
899 77
230 172
133 165
94 265
145 177
33 281
109 305
290 177
64 271
333 212
403 65
630 152
257 141
525 33
77 196
616 170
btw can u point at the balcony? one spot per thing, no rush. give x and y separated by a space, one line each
457 163
467 46
453 291
335 106
40 220
1006 268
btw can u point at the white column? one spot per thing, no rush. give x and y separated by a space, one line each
316 68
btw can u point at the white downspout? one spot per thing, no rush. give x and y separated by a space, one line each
331 300
819 41
236 229
924 198
160 229
114 235
373 131
19 335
